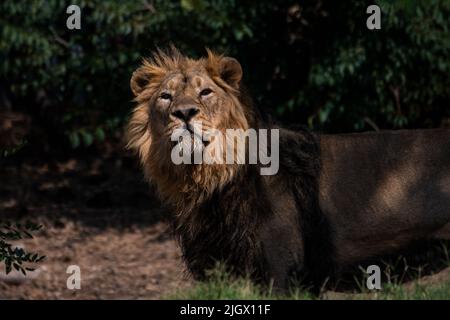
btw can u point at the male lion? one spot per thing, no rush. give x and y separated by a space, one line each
336 200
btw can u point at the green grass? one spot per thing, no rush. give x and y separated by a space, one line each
402 281
223 287
417 292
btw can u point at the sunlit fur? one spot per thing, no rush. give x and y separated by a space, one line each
336 200
150 127
229 213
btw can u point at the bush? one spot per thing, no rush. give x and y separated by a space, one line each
15 257
396 77
314 63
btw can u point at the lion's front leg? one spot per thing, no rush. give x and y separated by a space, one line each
282 248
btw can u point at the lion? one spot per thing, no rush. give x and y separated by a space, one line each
336 199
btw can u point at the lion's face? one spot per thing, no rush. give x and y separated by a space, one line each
175 92
188 99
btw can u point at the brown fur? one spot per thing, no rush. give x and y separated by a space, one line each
336 200
199 181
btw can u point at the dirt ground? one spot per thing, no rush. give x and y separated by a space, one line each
99 214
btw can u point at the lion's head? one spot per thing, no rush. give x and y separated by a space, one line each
175 92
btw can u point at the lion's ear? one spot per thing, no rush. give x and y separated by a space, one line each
227 68
230 71
139 80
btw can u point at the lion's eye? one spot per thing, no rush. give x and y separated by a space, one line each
166 96
205 92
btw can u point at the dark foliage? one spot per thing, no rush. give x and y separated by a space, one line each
15 257
314 63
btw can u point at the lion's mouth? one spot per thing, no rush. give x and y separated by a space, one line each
196 136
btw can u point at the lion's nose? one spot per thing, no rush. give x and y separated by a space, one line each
185 114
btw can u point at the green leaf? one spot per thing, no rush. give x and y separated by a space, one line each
100 134
74 139
88 138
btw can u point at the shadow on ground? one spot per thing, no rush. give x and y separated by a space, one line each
106 191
